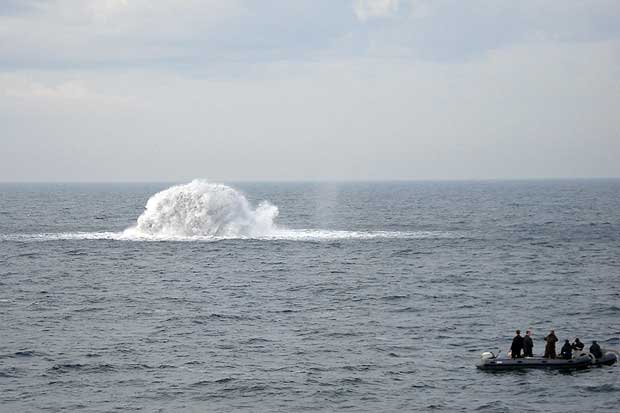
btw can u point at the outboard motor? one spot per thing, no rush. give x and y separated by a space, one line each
487 355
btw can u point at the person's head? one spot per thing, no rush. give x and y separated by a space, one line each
577 340
594 342
528 332
566 342
552 332
518 332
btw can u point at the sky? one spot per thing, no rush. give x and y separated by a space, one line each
252 90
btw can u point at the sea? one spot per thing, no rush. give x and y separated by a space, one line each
304 296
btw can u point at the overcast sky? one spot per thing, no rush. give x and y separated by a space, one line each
171 90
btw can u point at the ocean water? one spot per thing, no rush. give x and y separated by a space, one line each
303 296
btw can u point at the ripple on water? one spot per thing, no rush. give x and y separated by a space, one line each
63 368
11 372
603 388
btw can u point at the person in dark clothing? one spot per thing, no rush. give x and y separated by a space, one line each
596 351
567 351
577 345
528 344
551 339
517 345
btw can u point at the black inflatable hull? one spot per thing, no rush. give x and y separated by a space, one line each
581 362
534 363
608 359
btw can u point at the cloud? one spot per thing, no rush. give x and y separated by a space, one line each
521 111
70 90
16 7
454 31
110 7
368 9
70 33
23 89
201 35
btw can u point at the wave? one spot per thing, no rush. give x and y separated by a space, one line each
203 211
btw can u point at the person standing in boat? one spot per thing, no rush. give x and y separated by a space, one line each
528 344
577 345
517 345
567 351
551 339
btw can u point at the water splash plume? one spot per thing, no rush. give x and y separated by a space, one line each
203 209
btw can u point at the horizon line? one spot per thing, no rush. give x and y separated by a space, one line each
387 180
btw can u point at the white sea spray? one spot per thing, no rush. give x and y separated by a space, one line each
203 209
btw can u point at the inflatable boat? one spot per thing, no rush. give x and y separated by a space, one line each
581 360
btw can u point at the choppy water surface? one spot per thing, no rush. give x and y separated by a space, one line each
359 297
